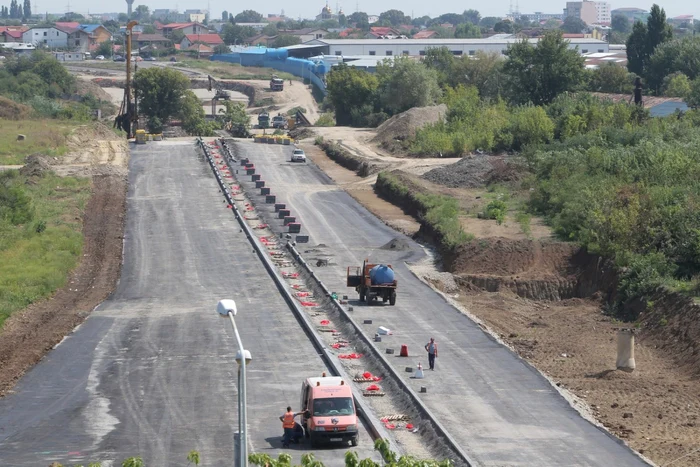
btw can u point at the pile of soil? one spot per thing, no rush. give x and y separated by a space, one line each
398 243
12 110
301 133
85 87
477 171
35 165
528 259
403 126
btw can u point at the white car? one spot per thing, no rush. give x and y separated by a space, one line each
298 155
100 57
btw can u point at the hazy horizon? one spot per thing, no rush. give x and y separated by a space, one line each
311 9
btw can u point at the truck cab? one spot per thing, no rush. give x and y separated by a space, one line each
329 411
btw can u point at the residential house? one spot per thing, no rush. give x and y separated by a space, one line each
97 34
195 16
186 28
371 19
260 39
211 40
78 39
682 21
426 34
12 33
199 50
276 18
382 32
67 24
305 35
151 41
51 37
69 56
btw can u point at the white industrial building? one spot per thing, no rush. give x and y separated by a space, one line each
418 47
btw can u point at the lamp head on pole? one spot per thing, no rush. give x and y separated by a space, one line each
248 357
226 306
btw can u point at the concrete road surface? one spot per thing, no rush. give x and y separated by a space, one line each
501 410
152 372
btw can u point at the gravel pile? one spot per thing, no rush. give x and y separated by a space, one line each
397 243
476 171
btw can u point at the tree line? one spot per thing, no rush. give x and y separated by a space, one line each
16 10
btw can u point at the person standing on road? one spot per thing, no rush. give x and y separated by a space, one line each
288 425
431 348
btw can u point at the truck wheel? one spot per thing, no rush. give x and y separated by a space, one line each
353 441
392 299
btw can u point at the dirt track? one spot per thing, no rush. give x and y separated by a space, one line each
28 335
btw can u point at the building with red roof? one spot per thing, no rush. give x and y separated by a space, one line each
209 39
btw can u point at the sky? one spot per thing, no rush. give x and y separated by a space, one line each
310 8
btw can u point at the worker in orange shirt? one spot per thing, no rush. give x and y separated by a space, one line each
288 424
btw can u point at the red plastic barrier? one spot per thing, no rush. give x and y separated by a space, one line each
304 294
309 304
292 275
372 387
325 322
228 206
409 426
339 345
367 375
390 426
351 356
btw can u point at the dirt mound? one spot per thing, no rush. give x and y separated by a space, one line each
399 244
85 87
301 133
404 125
477 171
529 259
11 110
35 165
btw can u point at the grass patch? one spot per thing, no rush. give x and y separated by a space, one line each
524 220
44 136
437 214
37 256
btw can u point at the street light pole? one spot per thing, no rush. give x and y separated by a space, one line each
227 308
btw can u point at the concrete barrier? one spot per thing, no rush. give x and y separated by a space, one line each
269 199
279 206
259 183
265 191
289 219
282 213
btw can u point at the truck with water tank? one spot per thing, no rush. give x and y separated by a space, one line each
373 281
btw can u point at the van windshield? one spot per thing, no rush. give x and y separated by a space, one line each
333 406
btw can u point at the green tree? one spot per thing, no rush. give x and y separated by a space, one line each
505 26
141 13
674 56
467 30
349 89
644 40
693 98
677 85
472 16
620 24
538 74
442 60
393 18
191 113
248 16
234 118
235 34
177 36
149 29
360 20
224 16
27 12
573 25
406 84
489 22
160 92
483 71
611 77
285 40
105 48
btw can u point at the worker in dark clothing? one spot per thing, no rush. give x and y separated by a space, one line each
298 433
431 348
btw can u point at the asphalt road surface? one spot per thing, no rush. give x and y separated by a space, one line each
501 410
152 372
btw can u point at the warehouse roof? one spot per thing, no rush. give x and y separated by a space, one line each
439 42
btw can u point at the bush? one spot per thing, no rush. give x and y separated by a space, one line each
155 125
530 125
326 119
497 210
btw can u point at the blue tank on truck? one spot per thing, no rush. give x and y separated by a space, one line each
381 274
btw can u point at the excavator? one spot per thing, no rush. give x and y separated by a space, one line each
127 118
221 94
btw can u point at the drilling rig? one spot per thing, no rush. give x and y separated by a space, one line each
127 119
221 94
